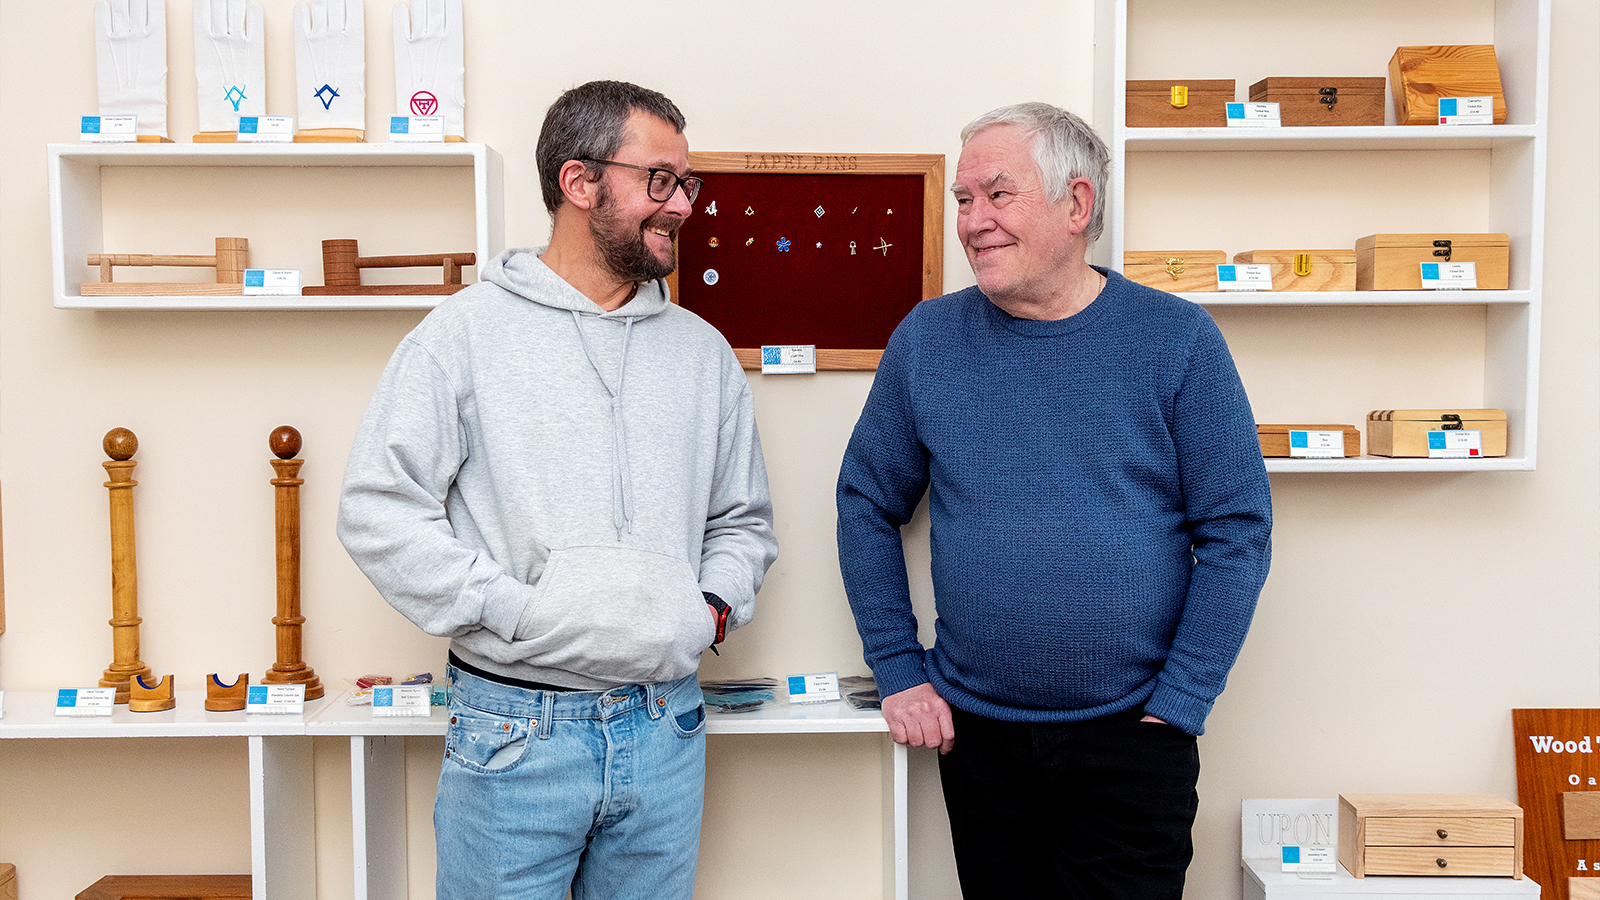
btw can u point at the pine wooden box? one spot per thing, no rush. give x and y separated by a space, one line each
1389 262
1322 101
1174 270
1325 270
1419 76
1150 104
1275 438
1430 834
1404 432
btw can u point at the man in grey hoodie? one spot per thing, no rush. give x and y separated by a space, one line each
560 472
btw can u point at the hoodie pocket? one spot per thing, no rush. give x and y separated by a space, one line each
617 614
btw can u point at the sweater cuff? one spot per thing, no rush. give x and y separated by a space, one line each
1176 708
901 672
504 600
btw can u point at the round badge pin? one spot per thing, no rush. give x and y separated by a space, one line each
713 242
710 277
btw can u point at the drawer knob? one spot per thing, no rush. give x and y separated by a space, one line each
1443 835
1441 862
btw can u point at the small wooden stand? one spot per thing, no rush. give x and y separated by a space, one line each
330 136
289 669
120 444
342 265
146 697
227 697
230 260
168 887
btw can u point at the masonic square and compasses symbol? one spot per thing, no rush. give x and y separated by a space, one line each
328 100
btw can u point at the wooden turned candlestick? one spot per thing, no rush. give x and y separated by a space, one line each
120 444
289 669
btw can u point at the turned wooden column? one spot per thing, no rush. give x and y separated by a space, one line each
289 669
120 444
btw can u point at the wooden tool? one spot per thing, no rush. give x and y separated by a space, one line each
342 265
227 697
120 444
289 669
230 261
146 697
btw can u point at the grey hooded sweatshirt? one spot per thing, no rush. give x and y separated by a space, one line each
552 486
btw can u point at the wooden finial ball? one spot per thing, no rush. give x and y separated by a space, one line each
120 444
285 442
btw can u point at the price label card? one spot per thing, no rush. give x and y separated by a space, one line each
1449 276
109 129
276 699
400 700
265 130
1253 115
1466 110
1316 444
95 701
416 129
791 359
819 688
1308 859
2 704
1256 277
1462 444
271 282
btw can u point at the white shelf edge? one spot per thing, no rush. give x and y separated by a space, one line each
1372 137
1359 298
447 154
1362 464
217 303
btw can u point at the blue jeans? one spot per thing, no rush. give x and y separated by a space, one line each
599 791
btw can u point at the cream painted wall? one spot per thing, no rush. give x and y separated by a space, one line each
1405 614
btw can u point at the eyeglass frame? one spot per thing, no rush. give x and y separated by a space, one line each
679 181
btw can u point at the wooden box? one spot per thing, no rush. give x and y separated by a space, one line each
1419 76
1389 262
1306 270
1404 432
1323 101
168 887
1430 834
8 881
1151 104
1275 438
1174 270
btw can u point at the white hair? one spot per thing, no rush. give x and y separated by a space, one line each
1064 148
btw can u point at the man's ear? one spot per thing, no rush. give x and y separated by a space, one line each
576 185
1080 197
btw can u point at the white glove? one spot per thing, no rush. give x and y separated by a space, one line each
330 64
130 49
230 62
429 71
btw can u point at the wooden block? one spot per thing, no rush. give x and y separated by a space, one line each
1419 76
1391 262
1205 105
1580 815
1174 270
8 881
330 136
1275 438
1323 101
159 289
1404 432
144 696
168 887
227 697
1325 270
1583 888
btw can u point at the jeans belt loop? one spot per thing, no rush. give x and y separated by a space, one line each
546 713
652 703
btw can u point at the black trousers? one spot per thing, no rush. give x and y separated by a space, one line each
1096 810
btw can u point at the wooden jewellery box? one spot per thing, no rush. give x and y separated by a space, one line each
1430 834
1391 262
1179 104
1419 76
1174 270
1322 101
1404 432
1306 270
1275 438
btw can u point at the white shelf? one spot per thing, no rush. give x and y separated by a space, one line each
1373 464
32 714
76 214
1375 137
1360 298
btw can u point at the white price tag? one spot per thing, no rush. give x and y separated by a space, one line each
400 700
1253 115
1316 444
276 699
1449 276
2 704
109 129
790 359
1466 110
95 701
1464 444
416 129
1308 859
271 282
819 688
265 130
1257 277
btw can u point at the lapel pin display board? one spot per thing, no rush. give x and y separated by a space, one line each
823 249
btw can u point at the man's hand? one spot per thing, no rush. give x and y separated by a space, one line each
1149 718
919 717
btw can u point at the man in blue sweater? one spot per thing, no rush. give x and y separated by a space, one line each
1101 527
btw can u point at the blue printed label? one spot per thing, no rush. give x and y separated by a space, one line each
254 278
257 694
1227 273
399 124
91 125
797 684
1430 271
1235 110
1447 106
1299 439
1291 855
67 697
248 124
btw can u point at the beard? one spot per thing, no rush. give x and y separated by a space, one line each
622 247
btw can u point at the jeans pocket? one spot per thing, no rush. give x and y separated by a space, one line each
686 710
483 741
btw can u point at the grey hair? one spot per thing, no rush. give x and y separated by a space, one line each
589 121
1064 148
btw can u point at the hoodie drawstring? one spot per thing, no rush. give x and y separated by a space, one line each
621 477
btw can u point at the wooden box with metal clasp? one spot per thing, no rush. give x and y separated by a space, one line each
1179 104
1305 270
1391 262
1174 270
1322 101
1404 432
1430 834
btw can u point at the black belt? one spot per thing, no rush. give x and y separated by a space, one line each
507 680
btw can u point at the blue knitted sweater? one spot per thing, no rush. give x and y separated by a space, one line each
1100 511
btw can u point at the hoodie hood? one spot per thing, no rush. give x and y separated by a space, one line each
522 272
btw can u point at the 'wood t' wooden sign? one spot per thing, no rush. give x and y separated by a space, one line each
1558 787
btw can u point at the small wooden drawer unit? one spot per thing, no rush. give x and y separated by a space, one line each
1430 834
1323 101
1174 270
1179 104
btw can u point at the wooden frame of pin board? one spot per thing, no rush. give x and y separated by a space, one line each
789 248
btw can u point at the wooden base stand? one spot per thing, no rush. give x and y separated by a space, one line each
230 261
168 887
227 697
146 697
342 264
330 136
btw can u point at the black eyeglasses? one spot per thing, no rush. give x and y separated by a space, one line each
662 181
